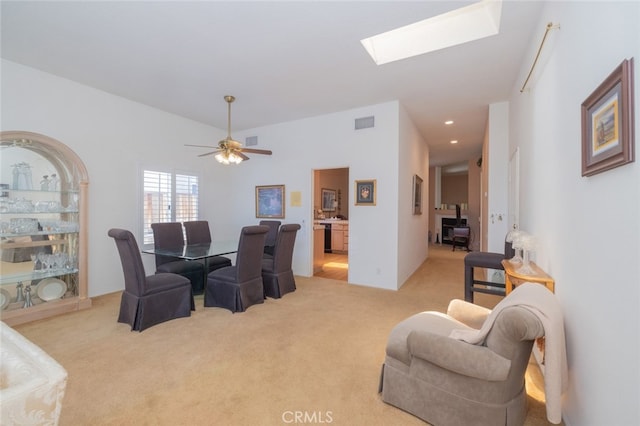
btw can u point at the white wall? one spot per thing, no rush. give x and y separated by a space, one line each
413 230
116 138
328 142
588 227
498 160
112 136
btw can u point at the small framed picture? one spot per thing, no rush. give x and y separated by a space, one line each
270 201
417 194
365 192
329 202
607 122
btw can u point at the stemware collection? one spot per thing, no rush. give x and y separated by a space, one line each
22 205
54 262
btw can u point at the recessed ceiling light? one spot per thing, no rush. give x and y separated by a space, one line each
454 142
459 26
448 122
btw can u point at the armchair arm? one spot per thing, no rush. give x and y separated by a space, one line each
468 313
458 356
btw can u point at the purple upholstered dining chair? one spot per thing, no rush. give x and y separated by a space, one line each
168 235
277 274
148 300
198 232
270 241
239 286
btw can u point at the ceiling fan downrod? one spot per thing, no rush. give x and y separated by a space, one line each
229 99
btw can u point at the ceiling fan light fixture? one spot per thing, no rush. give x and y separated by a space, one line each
230 151
226 157
234 158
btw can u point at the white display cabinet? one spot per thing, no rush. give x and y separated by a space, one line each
43 228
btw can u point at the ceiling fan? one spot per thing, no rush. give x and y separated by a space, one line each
231 151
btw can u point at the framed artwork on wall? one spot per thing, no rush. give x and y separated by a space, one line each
329 202
270 201
607 122
365 192
417 194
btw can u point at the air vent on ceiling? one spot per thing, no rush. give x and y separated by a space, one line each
251 141
365 122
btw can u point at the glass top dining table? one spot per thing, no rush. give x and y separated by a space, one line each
197 251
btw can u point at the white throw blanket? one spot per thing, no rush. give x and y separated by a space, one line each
542 303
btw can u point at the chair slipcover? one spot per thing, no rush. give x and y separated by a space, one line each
239 286
149 300
270 241
198 232
432 372
277 274
169 235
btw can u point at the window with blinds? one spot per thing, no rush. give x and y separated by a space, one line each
168 197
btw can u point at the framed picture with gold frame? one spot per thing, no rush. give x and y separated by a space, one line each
607 122
270 201
365 192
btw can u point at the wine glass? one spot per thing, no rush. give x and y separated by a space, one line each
48 261
41 258
528 243
515 238
34 259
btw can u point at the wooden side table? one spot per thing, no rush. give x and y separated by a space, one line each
512 276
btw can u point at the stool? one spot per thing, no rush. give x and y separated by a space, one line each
484 260
461 237
481 260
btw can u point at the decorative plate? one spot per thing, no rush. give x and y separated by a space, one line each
5 298
51 289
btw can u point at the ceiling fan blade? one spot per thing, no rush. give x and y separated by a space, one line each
241 155
255 151
200 146
209 153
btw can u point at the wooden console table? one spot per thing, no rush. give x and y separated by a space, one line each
511 274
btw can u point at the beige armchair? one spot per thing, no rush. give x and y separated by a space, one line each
467 367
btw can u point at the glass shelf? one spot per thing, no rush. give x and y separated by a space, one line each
34 275
30 234
60 211
39 191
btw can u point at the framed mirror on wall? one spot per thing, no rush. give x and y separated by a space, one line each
329 202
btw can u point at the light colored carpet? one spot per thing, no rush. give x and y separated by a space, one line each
315 353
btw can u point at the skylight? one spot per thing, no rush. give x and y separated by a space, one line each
469 23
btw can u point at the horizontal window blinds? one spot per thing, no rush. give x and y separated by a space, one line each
168 197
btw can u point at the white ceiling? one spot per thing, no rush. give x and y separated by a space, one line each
282 60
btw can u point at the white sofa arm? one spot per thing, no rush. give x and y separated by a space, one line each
33 383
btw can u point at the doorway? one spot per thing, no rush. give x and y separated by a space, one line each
331 223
